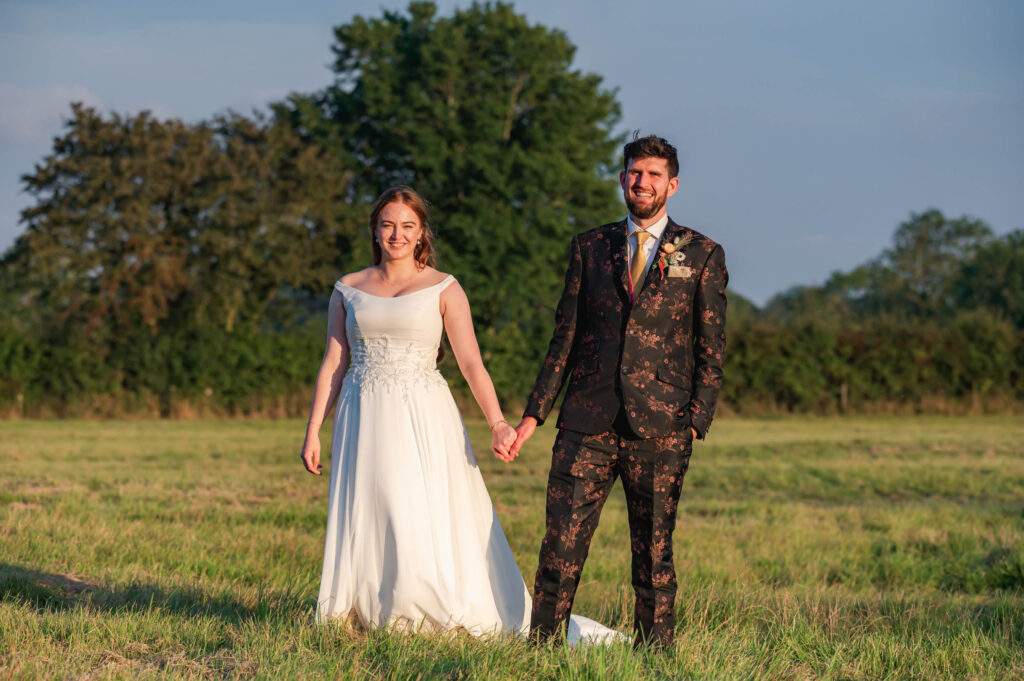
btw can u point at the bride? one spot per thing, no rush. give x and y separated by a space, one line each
413 541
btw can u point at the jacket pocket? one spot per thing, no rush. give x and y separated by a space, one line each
667 375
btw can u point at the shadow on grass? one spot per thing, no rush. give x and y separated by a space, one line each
66 592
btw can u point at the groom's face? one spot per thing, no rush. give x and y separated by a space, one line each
646 186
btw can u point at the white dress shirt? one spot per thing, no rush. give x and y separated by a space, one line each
651 246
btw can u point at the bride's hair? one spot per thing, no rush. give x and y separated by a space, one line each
424 252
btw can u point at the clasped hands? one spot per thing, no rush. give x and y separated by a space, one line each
506 446
506 441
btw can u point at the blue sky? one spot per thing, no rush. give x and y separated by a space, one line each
807 130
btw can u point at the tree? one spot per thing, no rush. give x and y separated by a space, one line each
809 305
994 278
742 311
916 276
148 233
482 113
927 253
137 219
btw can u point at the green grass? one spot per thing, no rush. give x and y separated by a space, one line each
860 548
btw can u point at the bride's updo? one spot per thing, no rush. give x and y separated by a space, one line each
424 252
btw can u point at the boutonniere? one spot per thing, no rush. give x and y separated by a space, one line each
671 256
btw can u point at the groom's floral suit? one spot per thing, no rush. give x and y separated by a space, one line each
640 375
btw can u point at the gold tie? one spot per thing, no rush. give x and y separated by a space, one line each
638 266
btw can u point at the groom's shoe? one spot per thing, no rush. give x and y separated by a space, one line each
545 623
541 636
654 642
650 631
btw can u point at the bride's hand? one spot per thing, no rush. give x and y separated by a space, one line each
311 454
502 438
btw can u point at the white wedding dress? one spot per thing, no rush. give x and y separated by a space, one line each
413 541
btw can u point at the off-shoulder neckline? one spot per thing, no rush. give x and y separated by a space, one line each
446 280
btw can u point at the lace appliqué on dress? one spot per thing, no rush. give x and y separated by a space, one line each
381 363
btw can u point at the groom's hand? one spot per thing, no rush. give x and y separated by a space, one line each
524 431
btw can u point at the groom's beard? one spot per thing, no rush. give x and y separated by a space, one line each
644 211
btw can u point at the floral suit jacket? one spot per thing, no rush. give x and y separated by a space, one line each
659 357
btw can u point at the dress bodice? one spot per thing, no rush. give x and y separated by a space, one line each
393 341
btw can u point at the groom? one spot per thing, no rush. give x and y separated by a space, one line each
640 335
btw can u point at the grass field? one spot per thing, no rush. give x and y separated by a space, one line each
806 549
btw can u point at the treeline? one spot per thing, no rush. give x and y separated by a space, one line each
183 269
935 323
972 362
156 260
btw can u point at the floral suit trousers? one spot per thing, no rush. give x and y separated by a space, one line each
583 470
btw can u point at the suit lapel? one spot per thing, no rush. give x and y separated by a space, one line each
620 256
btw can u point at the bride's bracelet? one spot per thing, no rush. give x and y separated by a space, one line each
496 423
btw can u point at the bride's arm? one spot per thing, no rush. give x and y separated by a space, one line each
328 381
458 324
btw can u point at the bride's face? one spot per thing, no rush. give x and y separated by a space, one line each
398 230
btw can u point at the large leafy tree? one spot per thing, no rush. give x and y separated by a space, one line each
485 116
916 277
149 238
928 252
137 220
994 278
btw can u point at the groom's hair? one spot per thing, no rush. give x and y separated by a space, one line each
650 146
